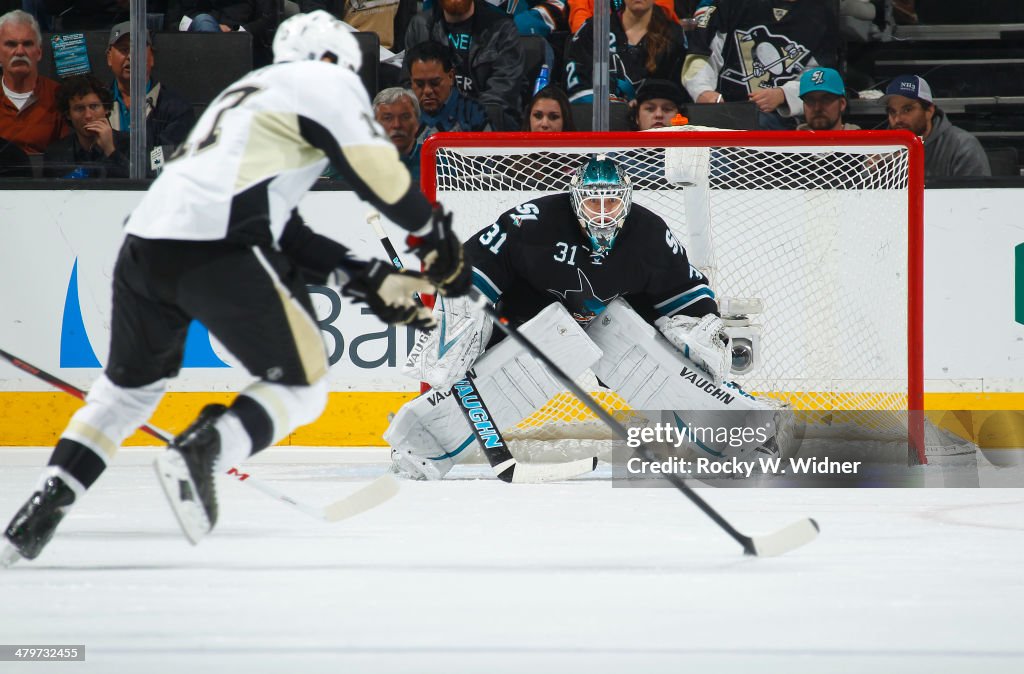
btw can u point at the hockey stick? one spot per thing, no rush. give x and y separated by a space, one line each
777 543
369 496
487 433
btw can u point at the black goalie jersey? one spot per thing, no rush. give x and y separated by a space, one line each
536 253
764 43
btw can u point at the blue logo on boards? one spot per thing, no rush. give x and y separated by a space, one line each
76 349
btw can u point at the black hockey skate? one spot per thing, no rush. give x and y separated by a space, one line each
185 471
34 525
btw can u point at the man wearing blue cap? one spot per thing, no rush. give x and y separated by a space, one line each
948 150
824 96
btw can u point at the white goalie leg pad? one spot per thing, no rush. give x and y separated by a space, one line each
111 414
429 435
289 406
652 375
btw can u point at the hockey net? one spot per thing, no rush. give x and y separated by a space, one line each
823 231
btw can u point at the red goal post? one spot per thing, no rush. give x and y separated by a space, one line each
822 230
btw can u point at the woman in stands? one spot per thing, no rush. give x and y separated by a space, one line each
548 110
643 43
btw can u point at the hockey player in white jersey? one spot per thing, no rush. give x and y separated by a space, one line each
217 238
627 304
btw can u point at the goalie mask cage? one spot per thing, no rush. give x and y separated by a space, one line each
823 229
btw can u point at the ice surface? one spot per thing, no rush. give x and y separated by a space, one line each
474 575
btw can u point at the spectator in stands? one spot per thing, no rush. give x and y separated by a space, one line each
397 110
486 53
948 150
169 117
581 10
372 16
93 149
28 108
259 18
824 96
752 50
643 43
532 17
657 102
442 106
549 110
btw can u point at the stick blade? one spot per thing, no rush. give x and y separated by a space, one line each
786 539
528 473
370 496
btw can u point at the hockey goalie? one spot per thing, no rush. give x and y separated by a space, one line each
595 282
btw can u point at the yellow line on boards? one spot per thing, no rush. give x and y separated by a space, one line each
359 418
32 419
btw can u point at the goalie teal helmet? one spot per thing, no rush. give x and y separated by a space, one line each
601 197
313 36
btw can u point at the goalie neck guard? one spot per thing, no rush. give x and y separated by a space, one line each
601 197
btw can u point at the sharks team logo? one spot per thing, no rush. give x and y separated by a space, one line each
583 303
766 59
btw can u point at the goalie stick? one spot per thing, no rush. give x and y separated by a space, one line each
488 435
777 543
366 497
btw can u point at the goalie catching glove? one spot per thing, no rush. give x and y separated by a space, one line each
388 291
441 252
702 340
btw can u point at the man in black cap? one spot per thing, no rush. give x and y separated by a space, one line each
656 103
169 117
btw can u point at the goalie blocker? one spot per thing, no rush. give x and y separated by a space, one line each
430 434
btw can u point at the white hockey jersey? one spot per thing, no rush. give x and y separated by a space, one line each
261 144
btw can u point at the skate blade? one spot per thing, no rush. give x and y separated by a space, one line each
8 556
182 495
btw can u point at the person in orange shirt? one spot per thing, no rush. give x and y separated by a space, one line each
29 117
581 10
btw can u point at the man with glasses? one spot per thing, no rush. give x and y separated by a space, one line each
169 117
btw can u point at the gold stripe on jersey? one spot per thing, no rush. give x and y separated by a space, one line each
308 341
275 145
91 437
693 65
375 165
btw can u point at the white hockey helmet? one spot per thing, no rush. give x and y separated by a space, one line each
601 197
312 36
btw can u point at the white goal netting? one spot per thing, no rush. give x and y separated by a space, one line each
819 237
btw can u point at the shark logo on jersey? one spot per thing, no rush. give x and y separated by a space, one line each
583 303
768 60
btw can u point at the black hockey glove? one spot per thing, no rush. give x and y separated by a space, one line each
442 255
389 292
